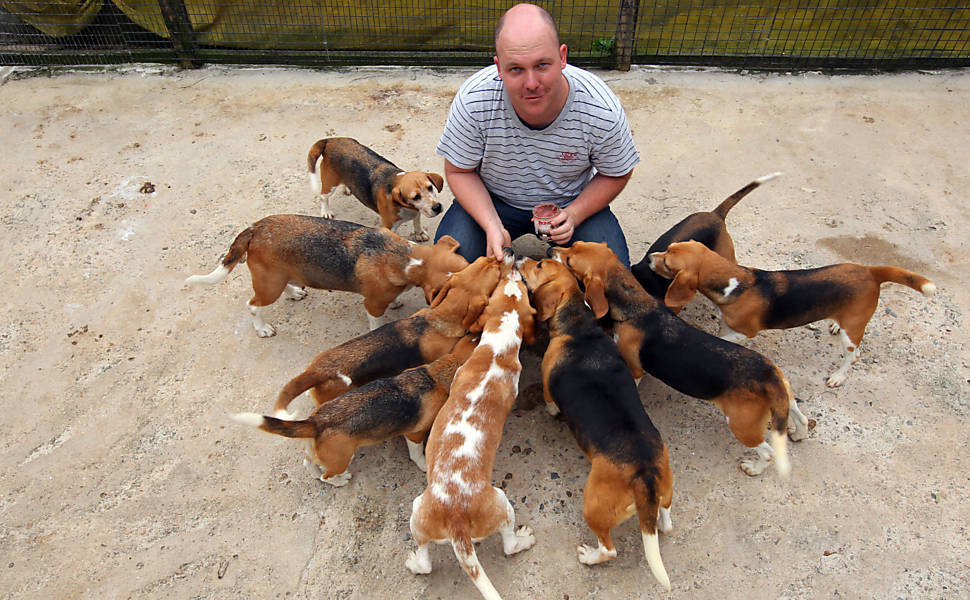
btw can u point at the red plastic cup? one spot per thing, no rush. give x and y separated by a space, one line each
542 216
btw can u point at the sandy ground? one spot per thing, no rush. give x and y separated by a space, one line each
122 476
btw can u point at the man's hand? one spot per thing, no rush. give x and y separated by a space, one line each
496 240
563 227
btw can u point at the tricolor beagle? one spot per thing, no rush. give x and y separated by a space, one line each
707 228
460 505
287 253
751 299
344 163
748 388
404 405
584 377
419 339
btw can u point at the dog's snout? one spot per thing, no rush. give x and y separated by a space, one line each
436 208
551 252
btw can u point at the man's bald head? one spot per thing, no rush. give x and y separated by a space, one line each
526 15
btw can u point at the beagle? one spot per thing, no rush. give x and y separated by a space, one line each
460 505
584 377
340 163
751 299
419 339
707 228
287 253
748 388
405 405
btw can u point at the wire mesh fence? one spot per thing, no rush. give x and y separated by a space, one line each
790 34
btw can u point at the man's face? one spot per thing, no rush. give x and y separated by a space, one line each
530 64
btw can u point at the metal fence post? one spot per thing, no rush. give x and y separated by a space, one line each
180 31
626 31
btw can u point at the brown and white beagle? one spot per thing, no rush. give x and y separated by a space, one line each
340 163
751 300
288 253
707 228
419 339
405 405
748 388
460 505
584 377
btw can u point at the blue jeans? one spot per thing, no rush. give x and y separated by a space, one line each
601 227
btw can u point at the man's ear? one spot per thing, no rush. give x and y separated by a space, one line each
681 290
437 180
596 296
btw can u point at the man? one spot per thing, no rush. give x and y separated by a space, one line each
528 130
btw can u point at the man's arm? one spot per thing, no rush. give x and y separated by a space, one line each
597 195
470 192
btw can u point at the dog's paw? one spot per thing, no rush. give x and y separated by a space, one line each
593 556
524 539
664 522
552 409
754 466
264 330
836 379
834 328
295 292
420 236
416 565
395 304
339 480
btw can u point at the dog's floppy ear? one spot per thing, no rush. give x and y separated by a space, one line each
528 321
476 309
546 299
440 296
437 180
596 296
681 290
449 242
396 197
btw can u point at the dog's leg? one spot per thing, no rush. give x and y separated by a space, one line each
416 452
338 480
593 556
419 233
664 523
374 322
797 422
263 329
730 335
757 466
513 540
851 356
294 292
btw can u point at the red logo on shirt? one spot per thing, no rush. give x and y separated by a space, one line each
567 156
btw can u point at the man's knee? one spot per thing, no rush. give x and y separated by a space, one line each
603 227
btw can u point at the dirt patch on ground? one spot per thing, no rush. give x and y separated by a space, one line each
122 476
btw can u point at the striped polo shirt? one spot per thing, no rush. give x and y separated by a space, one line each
524 167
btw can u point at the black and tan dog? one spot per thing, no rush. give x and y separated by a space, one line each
287 253
584 377
751 299
393 194
404 405
748 388
707 228
419 339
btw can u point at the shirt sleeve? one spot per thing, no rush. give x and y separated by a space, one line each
462 142
616 154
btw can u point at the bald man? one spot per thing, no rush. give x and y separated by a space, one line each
532 129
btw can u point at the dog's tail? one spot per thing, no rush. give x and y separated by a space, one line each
237 253
290 429
903 277
729 202
313 161
781 400
647 502
461 543
294 388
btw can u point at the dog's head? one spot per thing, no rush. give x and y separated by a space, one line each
510 296
549 282
417 190
680 263
591 263
464 295
431 266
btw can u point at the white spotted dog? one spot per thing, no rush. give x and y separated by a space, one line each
288 253
345 165
460 505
